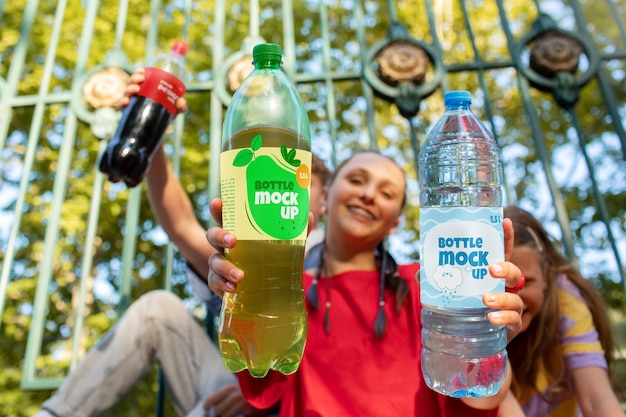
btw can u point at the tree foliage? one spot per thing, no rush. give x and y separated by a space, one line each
475 51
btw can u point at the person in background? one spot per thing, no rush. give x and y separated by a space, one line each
562 358
320 175
362 356
158 328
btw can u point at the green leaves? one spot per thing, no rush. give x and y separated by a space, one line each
290 156
256 143
245 156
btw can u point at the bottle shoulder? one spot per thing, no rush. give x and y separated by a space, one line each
173 64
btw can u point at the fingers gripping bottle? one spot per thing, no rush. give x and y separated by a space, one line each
265 169
144 121
460 172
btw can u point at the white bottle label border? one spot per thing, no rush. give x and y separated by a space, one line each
457 246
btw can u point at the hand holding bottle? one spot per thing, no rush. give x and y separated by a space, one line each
461 235
134 84
224 275
146 117
265 178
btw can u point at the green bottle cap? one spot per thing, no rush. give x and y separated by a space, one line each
267 52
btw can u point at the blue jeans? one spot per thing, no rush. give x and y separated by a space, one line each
156 328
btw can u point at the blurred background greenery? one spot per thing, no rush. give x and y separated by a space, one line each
49 149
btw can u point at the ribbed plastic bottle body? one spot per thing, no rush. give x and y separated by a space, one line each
265 180
145 120
460 173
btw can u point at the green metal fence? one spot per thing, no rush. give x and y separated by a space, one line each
547 76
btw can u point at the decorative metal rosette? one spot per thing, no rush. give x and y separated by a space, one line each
403 70
96 95
235 69
105 87
239 71
553 60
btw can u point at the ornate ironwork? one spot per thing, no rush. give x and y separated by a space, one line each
96 95
105 87
239 71
554 60
403 65
402 61
554 53
235 69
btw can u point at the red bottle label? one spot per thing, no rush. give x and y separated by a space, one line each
162 87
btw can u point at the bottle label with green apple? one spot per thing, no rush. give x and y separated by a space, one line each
265 191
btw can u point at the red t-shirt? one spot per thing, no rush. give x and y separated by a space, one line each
350 372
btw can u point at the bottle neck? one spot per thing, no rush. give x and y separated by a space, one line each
267 63
458 106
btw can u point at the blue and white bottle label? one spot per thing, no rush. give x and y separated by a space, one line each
457 246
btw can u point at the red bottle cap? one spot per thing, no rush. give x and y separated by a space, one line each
180 47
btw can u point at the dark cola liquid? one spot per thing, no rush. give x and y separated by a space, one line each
141 130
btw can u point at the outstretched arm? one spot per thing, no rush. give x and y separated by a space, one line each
598 398
510 407
174 212
169 202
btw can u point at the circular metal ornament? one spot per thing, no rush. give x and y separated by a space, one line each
96 93
239 71
104 122
105 87
402 61
554 53
407 82
554 59
234 69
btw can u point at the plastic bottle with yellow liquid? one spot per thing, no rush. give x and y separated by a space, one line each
265 176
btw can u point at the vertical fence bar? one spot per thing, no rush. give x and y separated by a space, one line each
177 145
87 259
35 336
483 85
331 111
86 276
289 42
217 108
538 139
601 206
606 88
367 90
17 66
2 5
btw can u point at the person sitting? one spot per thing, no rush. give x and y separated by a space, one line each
562 358
157 328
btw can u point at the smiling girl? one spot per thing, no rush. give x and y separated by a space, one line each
362 356
561 360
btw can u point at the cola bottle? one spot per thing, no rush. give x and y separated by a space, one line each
145 120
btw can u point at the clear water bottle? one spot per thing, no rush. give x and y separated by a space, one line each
460 174
145 120
265 174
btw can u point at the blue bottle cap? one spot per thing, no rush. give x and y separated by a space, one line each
457 98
